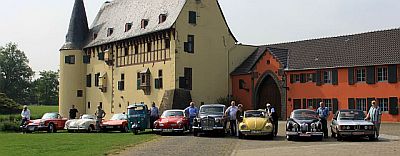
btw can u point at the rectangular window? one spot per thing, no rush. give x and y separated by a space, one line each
383 104
128 26
297 78
167 43
328 103
121 84
309 103
192 17
86 59
310 77
186 81
382 74
144 23
149 47
89 80
160 79
110 31
361 75
189 45
96 79
327 76
88 105
162 18
70 59
126 51
361 104
136 49
101 104
79 93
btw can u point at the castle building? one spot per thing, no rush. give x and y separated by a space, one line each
345 72
144 51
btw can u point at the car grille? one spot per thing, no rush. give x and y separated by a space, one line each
207 122
305 127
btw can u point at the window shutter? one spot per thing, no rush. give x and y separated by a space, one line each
86 59
318 78
303 78
314 104
291 78
393 106
296 104
314 77
392 73
369 100
371 75
304 103
138 84
89 80
335 106
351 76
351 103
186 47
156 83
335 77
182 82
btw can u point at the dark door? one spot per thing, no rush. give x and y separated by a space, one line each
268 92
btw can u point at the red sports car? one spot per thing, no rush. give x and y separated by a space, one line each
50 122
118 122
172 121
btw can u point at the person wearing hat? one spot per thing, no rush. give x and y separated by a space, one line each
272 113
100 114
374 115
25 114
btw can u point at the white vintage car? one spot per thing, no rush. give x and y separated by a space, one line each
85 123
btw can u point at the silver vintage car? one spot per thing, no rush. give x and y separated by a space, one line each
210 119
351 123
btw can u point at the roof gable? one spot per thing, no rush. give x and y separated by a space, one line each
115 14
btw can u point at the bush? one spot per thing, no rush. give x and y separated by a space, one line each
9 126
7 105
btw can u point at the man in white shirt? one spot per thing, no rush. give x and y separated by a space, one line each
25 114
271 112
231 113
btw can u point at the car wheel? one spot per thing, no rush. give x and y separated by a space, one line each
125 129
241 136
51 128
135 131
289 138
372 137
339 137
270 137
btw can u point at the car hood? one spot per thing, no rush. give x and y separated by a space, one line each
354 122
255 123
79 121
114 122
170 119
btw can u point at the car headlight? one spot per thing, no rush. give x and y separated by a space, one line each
161 124
179 122
366 127
347 127
217 120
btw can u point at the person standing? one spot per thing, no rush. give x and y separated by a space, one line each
323 114
100 114
231 113
25 114
272 113
239 117
374 115
72 112
191 112
154 112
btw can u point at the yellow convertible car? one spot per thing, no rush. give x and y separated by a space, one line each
256 123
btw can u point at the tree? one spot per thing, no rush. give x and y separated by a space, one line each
15 73
46 88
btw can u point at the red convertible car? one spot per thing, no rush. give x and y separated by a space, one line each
50 122
172 121
118 122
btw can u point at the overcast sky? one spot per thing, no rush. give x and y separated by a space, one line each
39 26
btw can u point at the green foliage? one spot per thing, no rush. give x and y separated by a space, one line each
46 88
7 105
9 126
15 73
82 144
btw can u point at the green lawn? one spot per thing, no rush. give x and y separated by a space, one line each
68 144
36 111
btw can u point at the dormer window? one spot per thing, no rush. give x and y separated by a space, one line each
94 36
144 23
110 31
162 18
128 26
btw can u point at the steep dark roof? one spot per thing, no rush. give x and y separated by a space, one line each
371 48
78 28
251 61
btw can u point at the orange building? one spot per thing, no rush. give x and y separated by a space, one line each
345 72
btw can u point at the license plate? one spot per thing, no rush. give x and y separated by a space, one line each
110 127
167 130
307 135
173 124
207 128
358 133
31 128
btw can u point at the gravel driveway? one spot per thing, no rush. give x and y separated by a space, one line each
389 144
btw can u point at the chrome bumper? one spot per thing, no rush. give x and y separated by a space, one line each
305 134
355 133
206 129
168 130
250 132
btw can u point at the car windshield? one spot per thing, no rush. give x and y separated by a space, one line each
172 113
118 117
351 115
136 110
87 117
304 115
249 114
50 116
212 110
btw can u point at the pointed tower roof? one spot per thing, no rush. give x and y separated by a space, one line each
78 28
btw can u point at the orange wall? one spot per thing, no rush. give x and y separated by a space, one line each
342 91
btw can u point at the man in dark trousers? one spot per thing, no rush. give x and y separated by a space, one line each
323 114
272 113
154 113
72 112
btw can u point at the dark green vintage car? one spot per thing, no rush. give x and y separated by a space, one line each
138 118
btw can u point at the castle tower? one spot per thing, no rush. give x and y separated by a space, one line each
72 68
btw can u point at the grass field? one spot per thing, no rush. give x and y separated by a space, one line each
82 144
36 111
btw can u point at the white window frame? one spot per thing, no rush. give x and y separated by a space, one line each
361 104
328 103
361 75
383 104
382 74
327 76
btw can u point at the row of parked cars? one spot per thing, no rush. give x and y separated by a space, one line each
211 119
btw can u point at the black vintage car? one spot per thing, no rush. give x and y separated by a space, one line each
210 120
304 123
